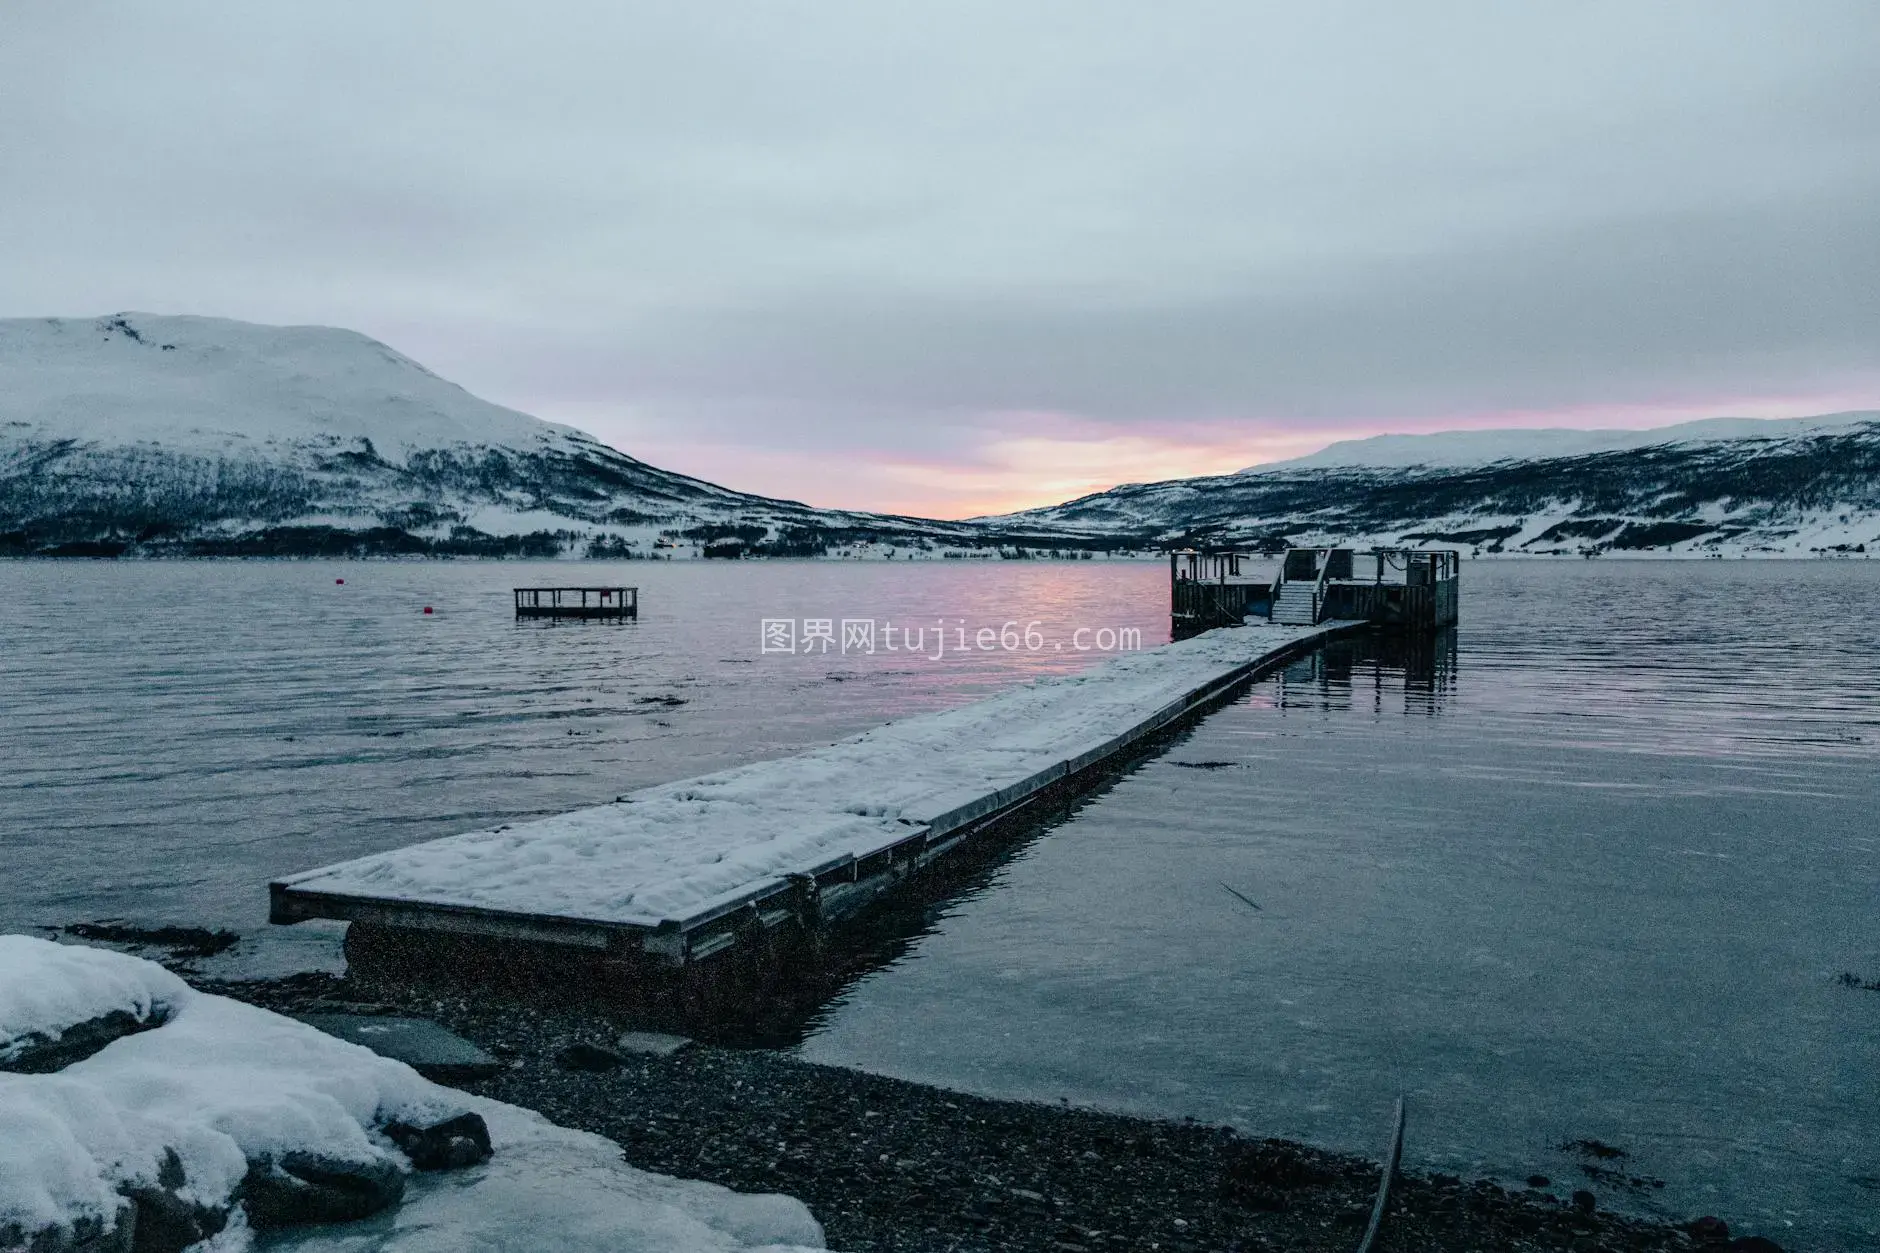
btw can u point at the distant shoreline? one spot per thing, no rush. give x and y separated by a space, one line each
904 557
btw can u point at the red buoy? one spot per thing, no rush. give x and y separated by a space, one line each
427 609
339 580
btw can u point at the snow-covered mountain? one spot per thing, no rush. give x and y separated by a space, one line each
1457 449
154 435
1729 486
189 435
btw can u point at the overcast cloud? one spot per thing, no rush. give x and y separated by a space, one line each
955 257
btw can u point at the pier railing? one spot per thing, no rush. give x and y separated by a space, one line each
1416 589
1212 589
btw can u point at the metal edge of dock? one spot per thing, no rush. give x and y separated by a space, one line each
830 891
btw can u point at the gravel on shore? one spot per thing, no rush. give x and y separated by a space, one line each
890 1165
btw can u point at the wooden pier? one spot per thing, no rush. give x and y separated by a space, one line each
577 602
674 874
1400 588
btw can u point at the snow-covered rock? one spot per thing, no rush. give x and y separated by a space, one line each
75 1000
550 1192
188 1111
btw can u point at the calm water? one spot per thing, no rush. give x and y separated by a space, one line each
1591 872
1591 869
176 734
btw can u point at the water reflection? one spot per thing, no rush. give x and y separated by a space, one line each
1376 671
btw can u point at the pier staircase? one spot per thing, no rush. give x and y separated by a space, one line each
1411 589
1297 603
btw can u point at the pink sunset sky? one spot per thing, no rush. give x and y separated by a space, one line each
1046 459
973 257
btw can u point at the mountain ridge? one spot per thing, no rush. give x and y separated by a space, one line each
180 435
1809 488
1463 448
156 435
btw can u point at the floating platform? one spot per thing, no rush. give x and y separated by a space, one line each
577 602
677 872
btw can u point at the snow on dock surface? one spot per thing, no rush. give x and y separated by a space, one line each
683 850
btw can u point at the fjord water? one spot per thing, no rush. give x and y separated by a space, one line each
176 734
1589 869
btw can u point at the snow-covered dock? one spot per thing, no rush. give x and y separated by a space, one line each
678 871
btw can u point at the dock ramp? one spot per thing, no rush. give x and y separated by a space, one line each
677 871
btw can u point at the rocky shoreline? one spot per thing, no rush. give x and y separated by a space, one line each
889 1165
